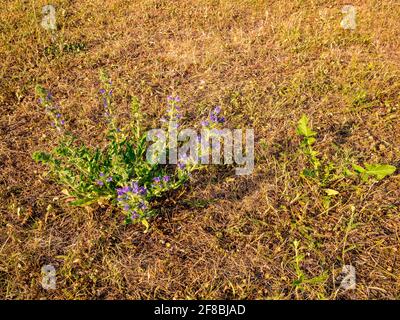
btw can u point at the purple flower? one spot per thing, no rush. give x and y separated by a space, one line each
205 123
40 100
58 115
126 207
216 119
135 187
102 91
213 117
62 122
166 178
101 174
109 179
123 190
157 179
143 190
181 165
134 215
175 99
100 183
111 92
142 205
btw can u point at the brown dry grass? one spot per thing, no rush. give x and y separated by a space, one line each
265 63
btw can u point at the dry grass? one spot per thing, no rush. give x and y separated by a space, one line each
265 63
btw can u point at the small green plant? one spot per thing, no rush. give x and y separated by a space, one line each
304 130
55 49
320 169
328 175
326 172
302 281
117 173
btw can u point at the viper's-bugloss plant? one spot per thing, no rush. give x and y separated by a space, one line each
118 173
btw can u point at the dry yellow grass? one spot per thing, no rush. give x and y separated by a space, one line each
265 63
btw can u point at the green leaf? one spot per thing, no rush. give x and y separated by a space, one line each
303 129
380 171
146 224
309 173
318 279
297 282
326 201
331 192
41 156
40 91
358 168
83 202
311 141
348 172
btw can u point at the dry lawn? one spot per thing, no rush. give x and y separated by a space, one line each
225 237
